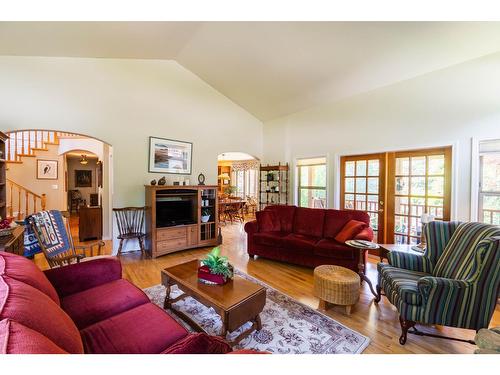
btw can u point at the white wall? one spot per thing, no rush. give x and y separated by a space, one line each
445 107
123 102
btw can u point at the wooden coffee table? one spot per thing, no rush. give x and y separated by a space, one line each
237 302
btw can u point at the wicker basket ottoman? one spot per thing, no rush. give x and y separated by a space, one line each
336 285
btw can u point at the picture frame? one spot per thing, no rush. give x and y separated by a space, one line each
83 178
170 156
47 169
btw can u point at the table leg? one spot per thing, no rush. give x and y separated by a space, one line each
166 303
258 322
361 271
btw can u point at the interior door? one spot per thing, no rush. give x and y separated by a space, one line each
418 182
363 188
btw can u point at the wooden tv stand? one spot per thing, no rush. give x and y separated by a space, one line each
168 239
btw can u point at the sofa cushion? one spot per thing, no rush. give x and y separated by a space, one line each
23 269
268 221
145 329
199 343
285 215
336 219
16 338
102 302
300 243
309 221
34 309
274 239
334 249
401 284
350 230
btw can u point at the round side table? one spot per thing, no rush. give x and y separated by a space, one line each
336 285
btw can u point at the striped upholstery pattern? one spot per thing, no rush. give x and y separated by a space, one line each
461 290
410 261
457 259
400 283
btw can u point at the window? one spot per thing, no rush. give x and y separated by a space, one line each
245 182
311 181
489 182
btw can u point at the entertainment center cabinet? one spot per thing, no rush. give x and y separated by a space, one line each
174 218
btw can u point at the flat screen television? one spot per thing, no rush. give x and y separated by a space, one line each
171 212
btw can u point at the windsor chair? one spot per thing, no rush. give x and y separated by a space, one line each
130 222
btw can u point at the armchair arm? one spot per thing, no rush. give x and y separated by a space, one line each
436 290
366 234
410 261
251 227
82 276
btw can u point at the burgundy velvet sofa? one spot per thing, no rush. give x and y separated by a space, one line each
86 308
306 236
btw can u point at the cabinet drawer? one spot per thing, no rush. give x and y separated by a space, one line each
174 244
170 233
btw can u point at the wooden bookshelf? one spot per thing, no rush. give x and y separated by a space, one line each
3 178
273 185
164 237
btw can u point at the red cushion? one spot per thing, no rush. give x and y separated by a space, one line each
145 329
199 343
16 338
309 221
274 239
336 219
285 215
23 269
268 221
350 230
30 307
300 243
102 302
334 249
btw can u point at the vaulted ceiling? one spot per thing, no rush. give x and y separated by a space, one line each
271 69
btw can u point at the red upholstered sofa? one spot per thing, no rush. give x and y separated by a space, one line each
306 236
86 308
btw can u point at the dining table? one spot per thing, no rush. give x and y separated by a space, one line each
231 209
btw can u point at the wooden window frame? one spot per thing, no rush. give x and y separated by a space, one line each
299 175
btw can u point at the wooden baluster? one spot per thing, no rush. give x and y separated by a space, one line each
18 204
34 203
44 201
11 200
15 146
27 204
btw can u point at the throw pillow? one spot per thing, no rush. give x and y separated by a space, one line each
350 230
268 221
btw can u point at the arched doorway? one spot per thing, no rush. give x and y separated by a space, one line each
37 163
238 178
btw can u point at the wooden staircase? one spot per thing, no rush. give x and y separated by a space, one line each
20 198
25 143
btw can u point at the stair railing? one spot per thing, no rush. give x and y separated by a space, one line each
25 142
20 197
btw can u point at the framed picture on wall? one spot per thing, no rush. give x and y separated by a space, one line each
170 156
47 169
83 178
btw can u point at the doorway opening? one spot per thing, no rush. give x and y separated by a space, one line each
238 186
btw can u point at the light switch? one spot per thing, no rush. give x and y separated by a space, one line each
55 187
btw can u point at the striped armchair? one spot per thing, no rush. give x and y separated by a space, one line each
455 282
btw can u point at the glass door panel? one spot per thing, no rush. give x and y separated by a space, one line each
363 188
419 182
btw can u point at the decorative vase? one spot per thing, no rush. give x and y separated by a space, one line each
205 218
153 182
207 277
162 181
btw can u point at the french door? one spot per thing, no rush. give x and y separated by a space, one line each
363 188
396 188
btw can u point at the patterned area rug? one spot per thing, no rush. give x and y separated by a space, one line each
288 327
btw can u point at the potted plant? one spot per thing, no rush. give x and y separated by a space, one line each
205 215
215 269
230 190
270 176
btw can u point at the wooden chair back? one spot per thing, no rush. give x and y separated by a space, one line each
130 221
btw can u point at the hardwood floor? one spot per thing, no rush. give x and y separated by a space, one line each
377 321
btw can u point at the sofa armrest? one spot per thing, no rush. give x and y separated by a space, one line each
252 227
82 276
410 261
435 290
199 343
366 234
